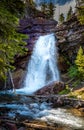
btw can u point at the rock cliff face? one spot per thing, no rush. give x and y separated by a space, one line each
33 27
69 35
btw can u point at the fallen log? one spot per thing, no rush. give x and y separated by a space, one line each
9 120
39 127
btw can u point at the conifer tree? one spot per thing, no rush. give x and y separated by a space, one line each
81 14
80 62
11 43
61 18
51 9
44 7
77 70
69 14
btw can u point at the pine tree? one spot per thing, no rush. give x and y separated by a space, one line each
61 18
48 9
51 9
69 14
81 14
80 62
44 7
11 43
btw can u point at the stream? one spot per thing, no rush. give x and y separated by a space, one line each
41 70
22 107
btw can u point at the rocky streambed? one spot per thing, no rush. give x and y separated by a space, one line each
40 112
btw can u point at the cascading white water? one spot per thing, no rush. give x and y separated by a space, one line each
42 68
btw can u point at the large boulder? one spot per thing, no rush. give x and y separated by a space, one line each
52 88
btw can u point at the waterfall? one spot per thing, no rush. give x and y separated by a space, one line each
42 68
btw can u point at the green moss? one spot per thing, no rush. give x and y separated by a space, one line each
65 91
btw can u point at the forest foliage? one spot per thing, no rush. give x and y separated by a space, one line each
80 10
61 18
80 63
11 43
77 70
81 14
48 9
69 14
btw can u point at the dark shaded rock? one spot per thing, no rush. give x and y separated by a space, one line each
52 88
35 27
20 71
22 128
70 38
11 126
2 84
63 63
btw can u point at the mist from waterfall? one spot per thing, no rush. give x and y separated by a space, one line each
42 68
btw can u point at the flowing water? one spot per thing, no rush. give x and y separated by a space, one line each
22 107
42 68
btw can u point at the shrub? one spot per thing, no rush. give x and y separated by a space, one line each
77 70
73 71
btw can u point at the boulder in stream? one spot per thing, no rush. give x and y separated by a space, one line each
53 88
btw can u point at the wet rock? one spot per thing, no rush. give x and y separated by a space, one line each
22 128
11 126
82 109
24 116
52 88
34 105
19 73
78 104
43 106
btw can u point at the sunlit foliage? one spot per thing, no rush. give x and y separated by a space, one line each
80 62
77 70
81 14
